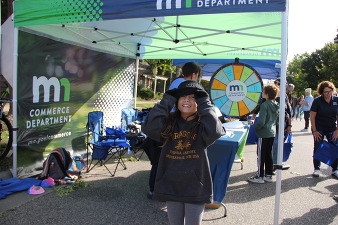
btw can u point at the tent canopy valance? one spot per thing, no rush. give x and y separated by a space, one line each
267 69
247 29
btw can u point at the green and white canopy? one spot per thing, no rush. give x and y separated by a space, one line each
247 29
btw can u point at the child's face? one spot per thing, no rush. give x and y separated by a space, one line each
187 105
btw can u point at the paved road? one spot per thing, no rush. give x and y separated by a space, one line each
122 199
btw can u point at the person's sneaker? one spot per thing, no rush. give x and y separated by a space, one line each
285 166
150 195
268 178
274 171
316 173
304 130
256 179
335 197
335 174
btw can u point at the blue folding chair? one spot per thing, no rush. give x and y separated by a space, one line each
129 115
131 124
103 145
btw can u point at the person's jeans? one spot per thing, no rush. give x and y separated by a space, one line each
275 149
307 119
328 135
294 112
298 111
180 213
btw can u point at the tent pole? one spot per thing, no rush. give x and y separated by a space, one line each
14 101
136 79
281 112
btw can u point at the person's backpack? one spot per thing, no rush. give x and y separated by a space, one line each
57 164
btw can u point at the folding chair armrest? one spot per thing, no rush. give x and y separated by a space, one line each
110 137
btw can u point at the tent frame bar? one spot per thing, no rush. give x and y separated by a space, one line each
281 113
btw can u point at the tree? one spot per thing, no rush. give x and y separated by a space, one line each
335 40
162 67
295 75
307 70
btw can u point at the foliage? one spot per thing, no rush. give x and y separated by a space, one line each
146 93
308 70
139 87
147 105
205 84
159 95
66 190
132 159
162 67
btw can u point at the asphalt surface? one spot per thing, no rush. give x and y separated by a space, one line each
122 199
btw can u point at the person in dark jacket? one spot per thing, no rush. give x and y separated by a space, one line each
183 177
266 132
190 71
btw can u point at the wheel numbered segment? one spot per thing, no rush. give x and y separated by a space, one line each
236 89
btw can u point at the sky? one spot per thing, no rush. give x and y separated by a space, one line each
312 24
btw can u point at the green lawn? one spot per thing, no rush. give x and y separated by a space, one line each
141 106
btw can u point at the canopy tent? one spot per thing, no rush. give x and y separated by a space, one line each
175 32
267 69
216 29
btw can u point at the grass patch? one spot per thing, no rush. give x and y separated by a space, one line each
145 105
66 190
132 159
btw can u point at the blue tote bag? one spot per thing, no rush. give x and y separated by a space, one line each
287 148
326 153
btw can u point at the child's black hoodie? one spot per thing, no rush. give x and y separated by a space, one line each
183 172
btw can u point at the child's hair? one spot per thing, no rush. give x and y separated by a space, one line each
271 91
172 121
189 68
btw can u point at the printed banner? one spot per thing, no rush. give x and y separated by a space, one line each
34 12
58 84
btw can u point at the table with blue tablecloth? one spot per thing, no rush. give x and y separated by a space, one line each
252 137
221 156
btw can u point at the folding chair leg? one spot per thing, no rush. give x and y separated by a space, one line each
120 153
98 161
109 170
140 156
118 156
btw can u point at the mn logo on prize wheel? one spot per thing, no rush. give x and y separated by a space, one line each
236 89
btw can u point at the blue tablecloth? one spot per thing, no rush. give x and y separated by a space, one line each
252 138
221 157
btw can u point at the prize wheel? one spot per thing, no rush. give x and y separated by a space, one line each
236 89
